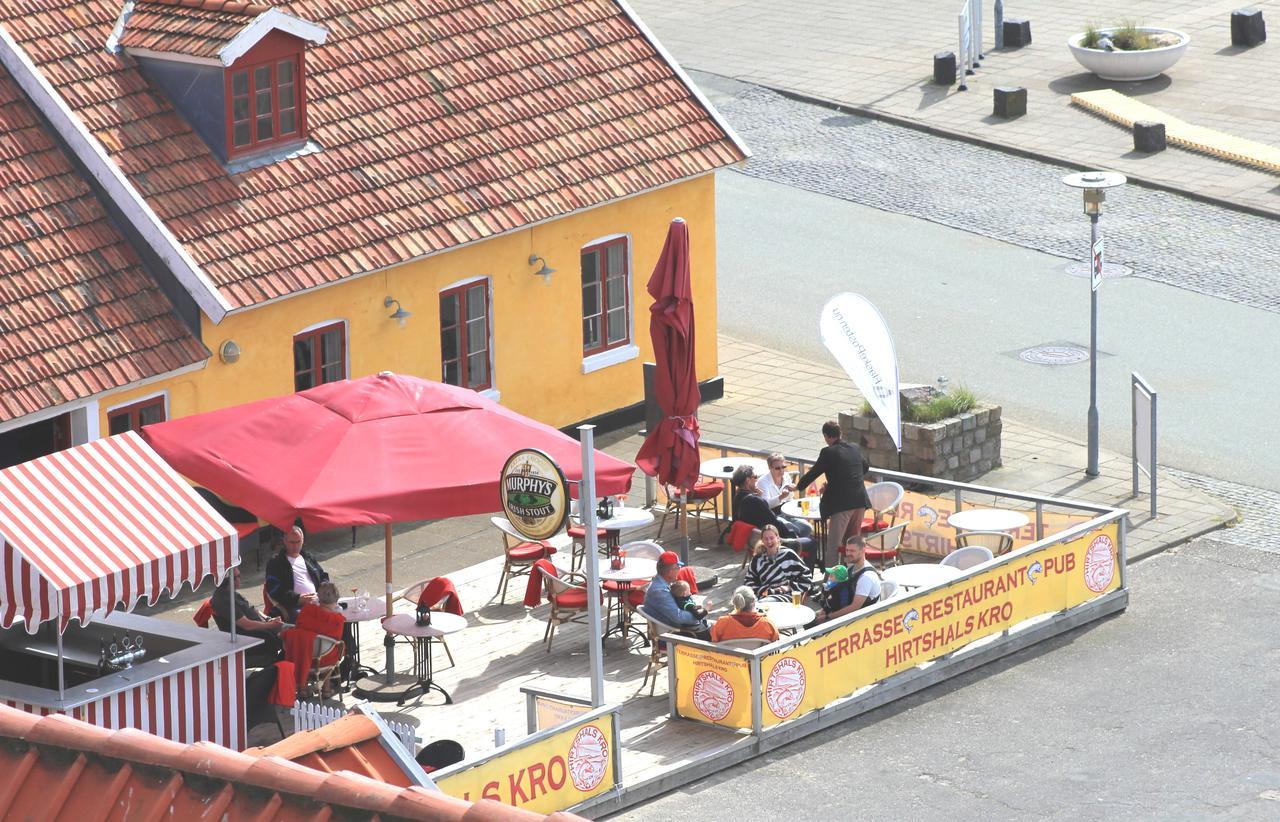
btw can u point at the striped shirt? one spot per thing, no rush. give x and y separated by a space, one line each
783 568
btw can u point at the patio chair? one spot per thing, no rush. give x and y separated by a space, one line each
743 535
440 754
657 648
998 542
322 671
702 495
642 549
744 644
519 552
568 599
966 558
885 498
414 594
578 533
884 547
204 614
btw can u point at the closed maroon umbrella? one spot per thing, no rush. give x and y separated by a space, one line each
670 451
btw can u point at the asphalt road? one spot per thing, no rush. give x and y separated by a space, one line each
962 306
1163 712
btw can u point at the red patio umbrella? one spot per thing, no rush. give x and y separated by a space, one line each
670 451
382 449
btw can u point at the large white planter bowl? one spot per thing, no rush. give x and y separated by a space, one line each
1128 66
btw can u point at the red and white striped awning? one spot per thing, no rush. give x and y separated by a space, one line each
100 526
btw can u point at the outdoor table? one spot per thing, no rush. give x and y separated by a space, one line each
987 519
373 609
791 508
420 636
785 616
722 468
623 519
634 570
920 575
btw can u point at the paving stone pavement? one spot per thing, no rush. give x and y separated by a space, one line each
1165 237
1258 508
879 57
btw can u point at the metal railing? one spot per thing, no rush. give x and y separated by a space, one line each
969 54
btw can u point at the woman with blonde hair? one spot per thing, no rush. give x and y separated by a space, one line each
745 622
775 572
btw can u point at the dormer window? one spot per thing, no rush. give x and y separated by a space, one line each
234 70
266 106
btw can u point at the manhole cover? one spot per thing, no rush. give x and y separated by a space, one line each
1110 271
1054 355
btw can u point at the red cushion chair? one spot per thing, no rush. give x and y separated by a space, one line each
739 534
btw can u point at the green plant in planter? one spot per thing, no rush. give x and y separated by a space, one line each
1125 36
951 404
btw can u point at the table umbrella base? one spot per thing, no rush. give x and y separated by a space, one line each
399 688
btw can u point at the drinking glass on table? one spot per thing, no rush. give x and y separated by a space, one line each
796 597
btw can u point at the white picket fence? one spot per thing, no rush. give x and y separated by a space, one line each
308 716
970 52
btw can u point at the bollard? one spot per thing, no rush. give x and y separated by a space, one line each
1010 101
1017 32
944 68
1148 136
1248 28
999 15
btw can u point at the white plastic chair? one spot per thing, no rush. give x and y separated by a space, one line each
966 558
642 549
888 589
744 644
885 498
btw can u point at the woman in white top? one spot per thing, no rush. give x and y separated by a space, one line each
775 489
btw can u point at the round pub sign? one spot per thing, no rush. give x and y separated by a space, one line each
535 494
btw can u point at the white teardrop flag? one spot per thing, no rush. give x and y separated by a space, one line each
855 333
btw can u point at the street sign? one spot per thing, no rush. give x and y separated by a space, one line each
1096 274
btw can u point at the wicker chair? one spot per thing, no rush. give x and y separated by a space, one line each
657 648
520 554
998 542
568 600
702 496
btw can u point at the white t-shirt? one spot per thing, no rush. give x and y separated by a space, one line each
772 493
302 583
868 585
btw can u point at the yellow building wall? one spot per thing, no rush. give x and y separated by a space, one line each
536 325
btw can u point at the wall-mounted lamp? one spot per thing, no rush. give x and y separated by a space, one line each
545 271
229 351
400 314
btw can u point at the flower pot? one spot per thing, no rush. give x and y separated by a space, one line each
1128 66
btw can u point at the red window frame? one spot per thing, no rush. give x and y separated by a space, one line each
595 288
132 415
251 73
457 324
314 369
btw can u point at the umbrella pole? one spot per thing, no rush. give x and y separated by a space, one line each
62 681
389 643
684 527
587 508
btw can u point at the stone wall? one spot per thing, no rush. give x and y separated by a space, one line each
960 448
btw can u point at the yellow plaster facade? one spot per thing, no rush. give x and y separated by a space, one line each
536 326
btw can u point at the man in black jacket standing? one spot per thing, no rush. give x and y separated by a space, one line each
293 576
844 500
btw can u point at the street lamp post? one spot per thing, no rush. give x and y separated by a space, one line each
1094 185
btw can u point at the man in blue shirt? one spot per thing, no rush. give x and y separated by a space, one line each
659 602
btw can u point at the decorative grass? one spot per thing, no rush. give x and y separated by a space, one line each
955 402
1125 36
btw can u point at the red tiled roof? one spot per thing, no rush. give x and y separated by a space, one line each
350 743
441 123
78 314
56 767
199 28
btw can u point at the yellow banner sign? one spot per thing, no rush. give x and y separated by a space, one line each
551 775
713 687
922 628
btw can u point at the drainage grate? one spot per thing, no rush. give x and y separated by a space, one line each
1110 271
1054 355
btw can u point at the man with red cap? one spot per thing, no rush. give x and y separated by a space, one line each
659 601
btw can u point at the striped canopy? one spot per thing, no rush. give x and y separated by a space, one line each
98 527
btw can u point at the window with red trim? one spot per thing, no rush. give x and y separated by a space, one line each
606 305
464 336
133 417
265 104
319 356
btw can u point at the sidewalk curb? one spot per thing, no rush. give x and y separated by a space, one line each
1178 542
938 131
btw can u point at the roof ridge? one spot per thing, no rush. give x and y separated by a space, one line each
227 6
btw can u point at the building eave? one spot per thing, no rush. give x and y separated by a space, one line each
264 24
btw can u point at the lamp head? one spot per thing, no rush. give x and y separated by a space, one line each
400 315
545 271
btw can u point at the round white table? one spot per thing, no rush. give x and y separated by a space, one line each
987 519
920 575
420 636
792 508
373 609
785 616
626 519
634 570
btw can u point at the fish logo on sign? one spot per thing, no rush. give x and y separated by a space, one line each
588 758
785 689
712 695
1034 570
909 618
930 513
1100 563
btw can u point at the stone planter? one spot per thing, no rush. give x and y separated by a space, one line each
960 448
1128 66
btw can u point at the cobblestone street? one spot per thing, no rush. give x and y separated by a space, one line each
1164 237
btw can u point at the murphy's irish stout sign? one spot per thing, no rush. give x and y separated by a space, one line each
535 494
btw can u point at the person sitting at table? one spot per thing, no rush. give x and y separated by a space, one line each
680 592
659 601
322 617
860 586
775 572
750 507
249 622
293 576
775 489
745 622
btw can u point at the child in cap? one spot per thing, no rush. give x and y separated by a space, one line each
680 593
838 593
